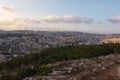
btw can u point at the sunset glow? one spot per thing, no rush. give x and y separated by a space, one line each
64 15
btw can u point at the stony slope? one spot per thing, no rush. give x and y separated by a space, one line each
99 68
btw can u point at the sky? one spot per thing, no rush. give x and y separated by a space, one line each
96 16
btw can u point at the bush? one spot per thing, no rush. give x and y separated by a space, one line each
7 77
22 73
42 70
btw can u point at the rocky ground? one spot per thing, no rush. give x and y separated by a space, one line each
99 68
2 58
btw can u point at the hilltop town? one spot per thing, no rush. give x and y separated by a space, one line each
18 43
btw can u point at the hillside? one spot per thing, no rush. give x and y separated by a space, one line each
27 42
98 68
111 40
62 62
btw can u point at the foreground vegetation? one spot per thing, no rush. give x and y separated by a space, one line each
34 64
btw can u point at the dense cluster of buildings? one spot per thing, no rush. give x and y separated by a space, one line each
18 42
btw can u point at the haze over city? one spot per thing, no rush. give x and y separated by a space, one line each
96 16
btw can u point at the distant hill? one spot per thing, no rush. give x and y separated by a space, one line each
111 40
25 41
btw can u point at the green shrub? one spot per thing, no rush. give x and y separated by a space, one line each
26 72
7 77
42 70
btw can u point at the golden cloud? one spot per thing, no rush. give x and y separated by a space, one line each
6 9
115 19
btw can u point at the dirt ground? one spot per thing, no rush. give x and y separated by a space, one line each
112 73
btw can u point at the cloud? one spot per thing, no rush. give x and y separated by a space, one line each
52 19
6 9
28 20
100 22
67 19
19 23
115 19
